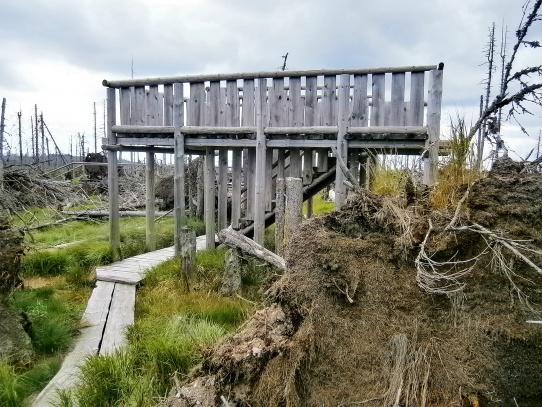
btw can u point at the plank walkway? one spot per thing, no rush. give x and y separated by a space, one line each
110 310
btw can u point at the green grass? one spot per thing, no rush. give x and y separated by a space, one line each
53 322
319 205
173 327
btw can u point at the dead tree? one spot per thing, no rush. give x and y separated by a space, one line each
521 88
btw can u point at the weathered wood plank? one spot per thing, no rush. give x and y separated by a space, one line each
434 105
87 344
296 111
139 117
121 316
397 100
179 192
328 103
150 190
209 199
415 112
124 103
237 154
360 105
259 185
342 144
222 188
378 106
113 177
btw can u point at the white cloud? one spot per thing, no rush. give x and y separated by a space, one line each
56 52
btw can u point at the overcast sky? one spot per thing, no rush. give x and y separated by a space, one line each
55 53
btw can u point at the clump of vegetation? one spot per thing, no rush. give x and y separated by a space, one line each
458 172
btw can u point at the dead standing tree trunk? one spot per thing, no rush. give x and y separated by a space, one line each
526 92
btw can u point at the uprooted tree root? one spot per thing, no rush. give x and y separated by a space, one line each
350 322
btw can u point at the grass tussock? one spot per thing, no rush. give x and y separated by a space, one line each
52 320
458 172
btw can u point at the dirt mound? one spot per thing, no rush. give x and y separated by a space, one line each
385 306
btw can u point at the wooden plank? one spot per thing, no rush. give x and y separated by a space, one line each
360 105
295 163
342 144
209 198
213 103
196 104
269 193
395 130
232 112
168 105
296 111
434 106
236 187
378 107
397 117
307 166
153 107
87 344
139 117
113 178
328 103
309 107
120 317
179 192
150 235
124 103
251 183
311 130
279 215
259 185
222 188
415 112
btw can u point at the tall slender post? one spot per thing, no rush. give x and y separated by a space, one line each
342 144
150 236
178 164
36 144
2 142
19 114
113 177
259 188
434 103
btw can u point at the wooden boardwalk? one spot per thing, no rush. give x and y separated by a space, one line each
109 311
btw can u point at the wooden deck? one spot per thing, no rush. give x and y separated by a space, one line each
109 311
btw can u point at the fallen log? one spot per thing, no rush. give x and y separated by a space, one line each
234 239
105 214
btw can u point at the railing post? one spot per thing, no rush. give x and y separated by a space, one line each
113 177
178 164
342 144
150 234
434 106
259 188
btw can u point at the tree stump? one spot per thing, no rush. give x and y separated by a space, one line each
231 280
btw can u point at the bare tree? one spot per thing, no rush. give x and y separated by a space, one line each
521 88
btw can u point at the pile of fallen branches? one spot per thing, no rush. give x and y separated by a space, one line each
25 187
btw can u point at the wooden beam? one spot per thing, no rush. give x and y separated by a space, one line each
259 187
179 191
258 75
113 178
342 145
434 107
150 235
222 188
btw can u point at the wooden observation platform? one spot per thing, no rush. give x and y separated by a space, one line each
270 125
